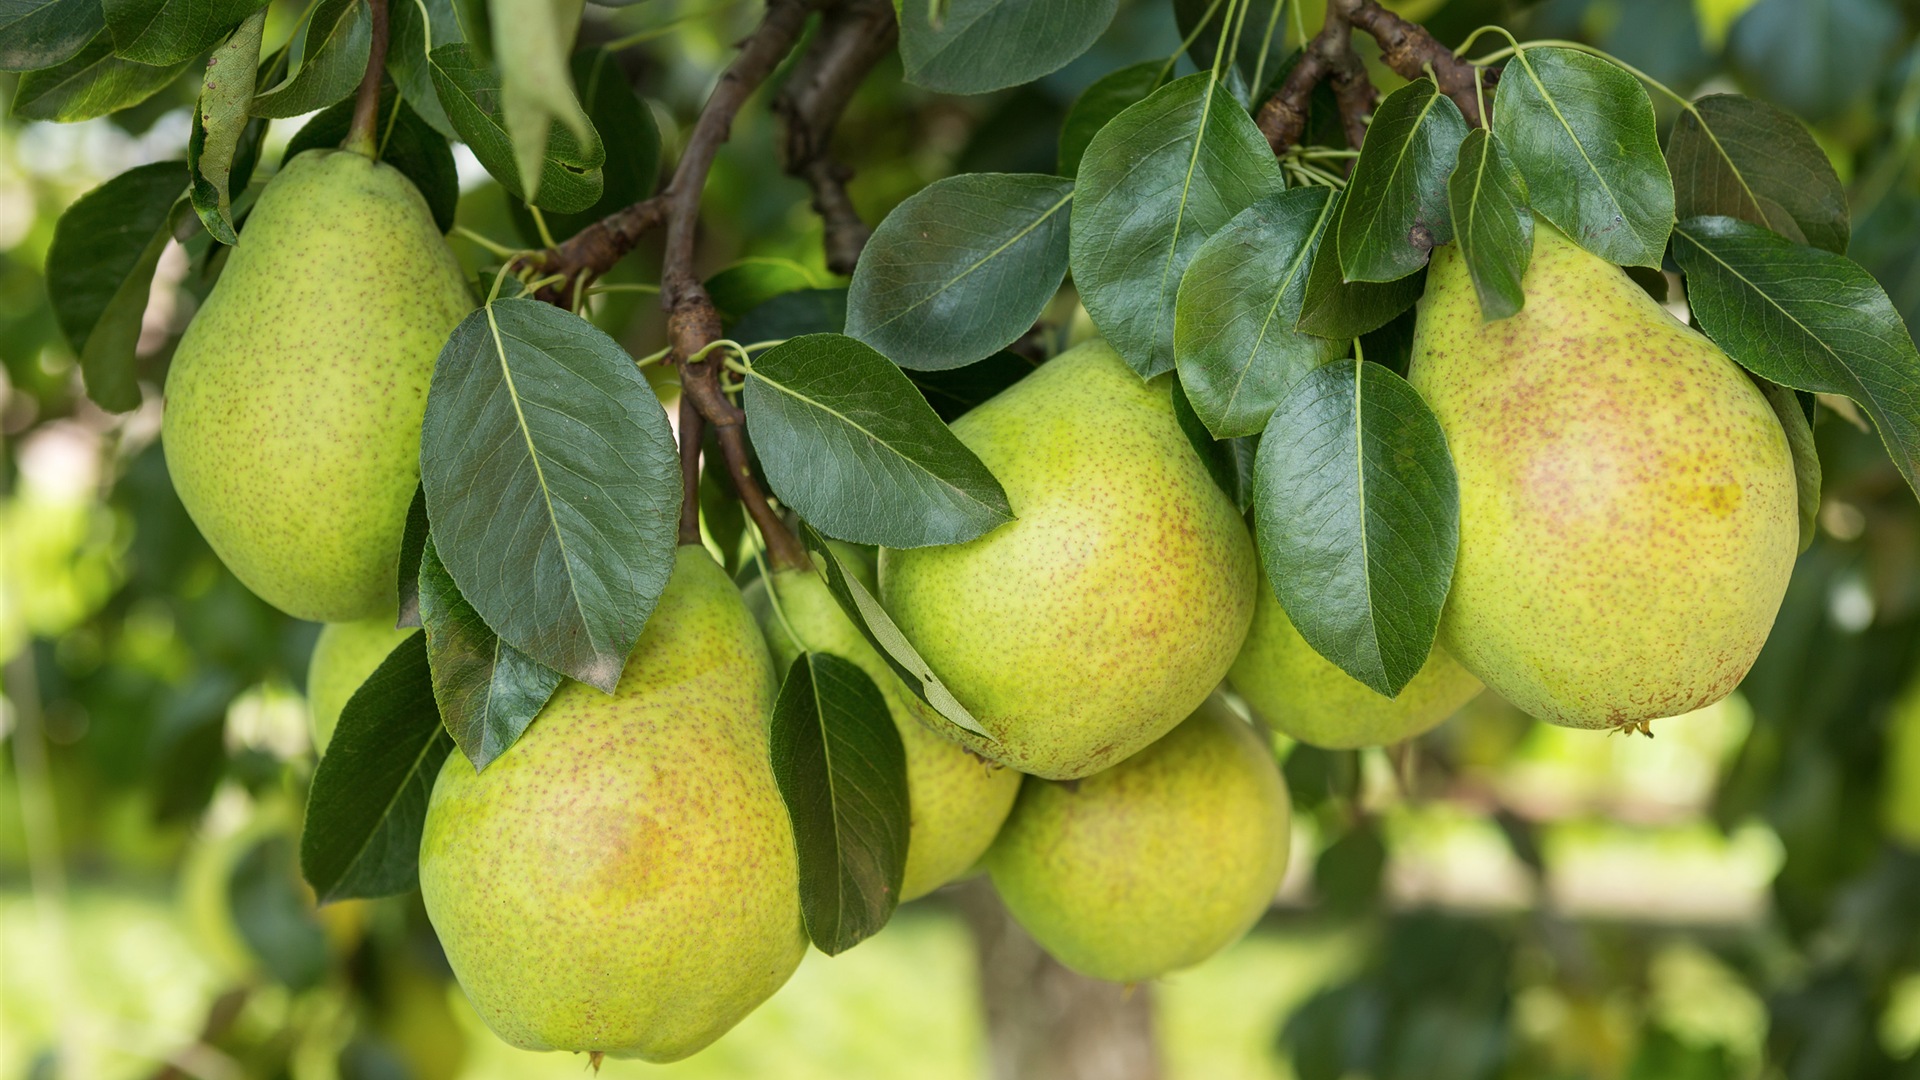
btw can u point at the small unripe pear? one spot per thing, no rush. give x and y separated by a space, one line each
343 656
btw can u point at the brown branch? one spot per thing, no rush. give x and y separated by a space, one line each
693 427
1409 50
595 249
854 35
1330 58
362 132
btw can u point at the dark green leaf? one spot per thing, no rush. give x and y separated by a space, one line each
1154 184
754 280
1494 227
1263 38
961 269
1806 457
843 774
849 444
469 91
1344 310
1816 57
369 795
273 916
100 271
953 392
1108 97
874 624
1357 518
406 142
1228 461
632 147
487 690
163 32
328 59
93 82
531 43
221 123
1580 130
1233 330
42 33
1743 158
1805 318
1395 211
414 35
973 46
792 315
552 483
413 545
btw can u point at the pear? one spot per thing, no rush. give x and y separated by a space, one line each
343 656
1113 605
623 880
1154 864
1307 697
1628 514
294 402
957 799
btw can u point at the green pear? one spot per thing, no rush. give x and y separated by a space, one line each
1307 697
1112 607
294 402
957 800
623 880
343 657
1628 513
1155 864
1900 776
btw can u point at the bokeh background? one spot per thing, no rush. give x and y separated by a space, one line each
1737 897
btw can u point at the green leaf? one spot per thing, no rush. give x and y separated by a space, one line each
274 915
1343 310
793 314
1261 15
407 143
417 27
1494 227
43 33
487 690
1233 332
163 32
954 392
93 82
413 547
1797 422
1356 512
1108 97
849 444
1155 183
973 46
1228 461
961 269
469 91
1816 58
552 483
531 42
368 801
842 771
327 60
100 271
1745 159
874 624
1581 131
756 279
1808 319
632 147
1395 211
220 123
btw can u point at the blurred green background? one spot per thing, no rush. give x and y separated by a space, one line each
1737 897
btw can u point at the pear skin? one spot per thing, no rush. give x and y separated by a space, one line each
1155 864
343 656
958 800
1628 513
623 879
294 402
1113 605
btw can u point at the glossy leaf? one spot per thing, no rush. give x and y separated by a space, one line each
973 46
1155 183
44 33
961 269
849 444
328 62
1805 318
163 32
1797 422
1745 159
368 801
487 690
1108 97
794 314
1228 461
407 143
221 122
1395 210
552 483
416 28
1343 310
413 547
631 141
1581 131
756 279
842 772
1492 223
1233 333
1356 512
954 392
469 91
93 82
1265 26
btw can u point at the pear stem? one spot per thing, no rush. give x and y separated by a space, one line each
361 135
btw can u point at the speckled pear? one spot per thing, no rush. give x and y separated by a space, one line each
623 879
1155 864
1628 514
343 657
294 402
1307 697
1113 605
957 800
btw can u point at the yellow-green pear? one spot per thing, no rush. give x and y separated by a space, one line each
1113 605
1154 864
957 800
1307 697
622 880
292 421
1628 513
343 656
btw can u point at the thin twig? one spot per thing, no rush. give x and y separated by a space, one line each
854 35
1330 58
1409 50
595 249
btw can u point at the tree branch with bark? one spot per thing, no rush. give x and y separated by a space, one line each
854 36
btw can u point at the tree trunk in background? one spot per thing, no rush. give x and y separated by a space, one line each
1045 1022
